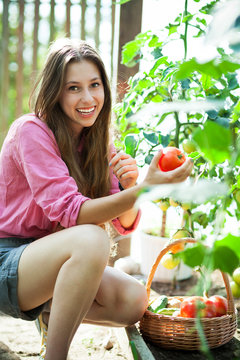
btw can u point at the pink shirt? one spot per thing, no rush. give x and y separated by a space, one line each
36 191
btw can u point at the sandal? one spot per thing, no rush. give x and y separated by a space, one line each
42 329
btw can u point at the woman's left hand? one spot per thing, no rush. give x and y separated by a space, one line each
125 169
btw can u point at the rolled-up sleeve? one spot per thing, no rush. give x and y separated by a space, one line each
53 189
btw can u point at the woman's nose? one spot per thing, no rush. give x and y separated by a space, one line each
86 96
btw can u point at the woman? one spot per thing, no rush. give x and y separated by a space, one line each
59 170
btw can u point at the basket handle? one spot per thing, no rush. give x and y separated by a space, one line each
231 309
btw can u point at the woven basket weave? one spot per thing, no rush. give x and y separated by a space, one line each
181 333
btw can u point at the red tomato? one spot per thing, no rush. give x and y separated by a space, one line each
171 158
194 304
220 303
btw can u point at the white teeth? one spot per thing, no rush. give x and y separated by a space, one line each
85 111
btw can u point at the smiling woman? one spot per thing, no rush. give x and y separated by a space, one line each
53 249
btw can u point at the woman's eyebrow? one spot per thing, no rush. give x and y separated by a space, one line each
77 82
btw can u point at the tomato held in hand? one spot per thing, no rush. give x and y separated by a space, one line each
193 305
221 304
171 158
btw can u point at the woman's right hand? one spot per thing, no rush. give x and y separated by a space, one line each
156 176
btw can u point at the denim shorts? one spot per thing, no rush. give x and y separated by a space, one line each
10 252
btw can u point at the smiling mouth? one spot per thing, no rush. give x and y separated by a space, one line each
86 111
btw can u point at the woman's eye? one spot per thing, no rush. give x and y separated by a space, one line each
96 84
73 88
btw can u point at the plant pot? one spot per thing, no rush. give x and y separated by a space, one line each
150 248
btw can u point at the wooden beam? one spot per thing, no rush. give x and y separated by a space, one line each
132 344
98 20
83 14
68 18
35 39
4 71
113 15
130 26
52 21
19 75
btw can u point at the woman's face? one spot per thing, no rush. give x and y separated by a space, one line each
82 97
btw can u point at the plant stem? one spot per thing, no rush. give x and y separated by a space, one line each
176 140
185 32
164 219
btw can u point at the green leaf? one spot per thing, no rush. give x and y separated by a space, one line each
132 48
148 159
206 81
236 112
214 142
164 140
157 98
225 259
212 114
230 241
157 53
131 142
160 61
151 137
214 68
193 256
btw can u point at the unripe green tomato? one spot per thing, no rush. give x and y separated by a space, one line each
236 275
186 206
173 203
164 205
181 233
169 262
235 289
237 196
188 146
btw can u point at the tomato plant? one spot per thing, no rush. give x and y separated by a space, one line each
171 159
165 93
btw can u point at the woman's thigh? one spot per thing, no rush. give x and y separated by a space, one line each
42 260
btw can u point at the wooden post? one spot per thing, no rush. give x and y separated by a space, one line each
83 9
4 71
98 20
68 18
130 26
52 21
19 76
35 39
113 14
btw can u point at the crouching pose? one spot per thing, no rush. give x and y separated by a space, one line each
60 171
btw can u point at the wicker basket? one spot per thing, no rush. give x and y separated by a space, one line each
181 333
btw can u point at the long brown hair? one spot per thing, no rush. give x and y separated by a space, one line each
90 169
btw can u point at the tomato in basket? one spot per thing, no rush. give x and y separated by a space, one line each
191 306
221 304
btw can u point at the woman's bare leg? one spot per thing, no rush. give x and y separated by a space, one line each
120 301
66 266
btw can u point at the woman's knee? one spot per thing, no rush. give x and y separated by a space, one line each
90 241
133 302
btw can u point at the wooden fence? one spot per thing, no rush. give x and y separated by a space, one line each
28 26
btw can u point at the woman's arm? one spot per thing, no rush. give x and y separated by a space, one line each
98 211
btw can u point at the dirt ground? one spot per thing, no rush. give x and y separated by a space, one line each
20 340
